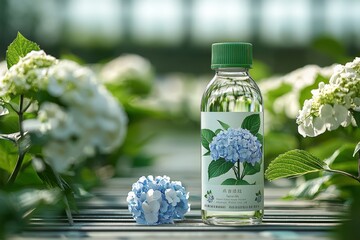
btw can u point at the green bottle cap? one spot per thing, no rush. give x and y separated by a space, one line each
231 54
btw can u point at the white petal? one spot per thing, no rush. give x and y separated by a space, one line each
306 131
326 111
151 218
146 207
3 111
340 113
32 125
157 195
153 195
319 126
332 124
357 101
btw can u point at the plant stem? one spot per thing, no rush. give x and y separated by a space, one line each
359 165
238 164
66 202
17 168
21 151
343 173
68 211
21 116
235 171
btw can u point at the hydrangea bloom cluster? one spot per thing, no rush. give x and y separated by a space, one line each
3 68
83 119
92 120
127 67
332 103
158 200
26 75
288 103
236 144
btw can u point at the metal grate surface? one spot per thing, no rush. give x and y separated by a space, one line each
105 216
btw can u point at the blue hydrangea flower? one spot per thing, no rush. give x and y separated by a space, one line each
154 201
236 144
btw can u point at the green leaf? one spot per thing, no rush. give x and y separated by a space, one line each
249 169
217 131
9 123
207 153
252 123
233 181
8 155
294 163
224 125
343 159
19 48
260 138
206 137
356 116
53 179
219 167
309 189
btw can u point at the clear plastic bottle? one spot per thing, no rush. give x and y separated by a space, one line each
232 140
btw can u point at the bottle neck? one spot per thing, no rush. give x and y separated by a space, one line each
231 71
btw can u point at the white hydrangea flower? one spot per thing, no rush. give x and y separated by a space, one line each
27 75
331 104
299 79
92 121
88 119
3 68
128 66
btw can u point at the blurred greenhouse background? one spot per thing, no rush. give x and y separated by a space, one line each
154 56
175 35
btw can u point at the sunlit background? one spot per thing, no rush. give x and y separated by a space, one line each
175 35
172 42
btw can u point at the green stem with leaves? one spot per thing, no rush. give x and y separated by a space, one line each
21 150
309 163
343 173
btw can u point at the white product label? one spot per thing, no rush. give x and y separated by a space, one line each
232 165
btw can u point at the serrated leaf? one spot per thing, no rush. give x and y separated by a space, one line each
224 125
219 167
18 49
294 163
233 181
206 137
252 123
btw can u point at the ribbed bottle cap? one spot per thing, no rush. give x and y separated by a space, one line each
231 54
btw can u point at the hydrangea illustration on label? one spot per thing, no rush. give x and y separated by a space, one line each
232 161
